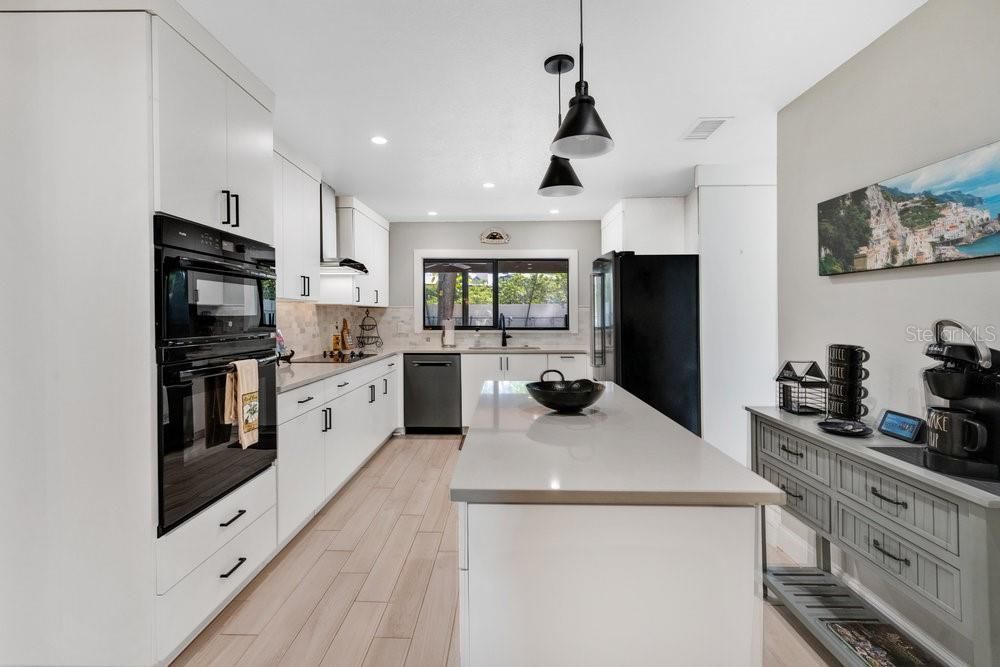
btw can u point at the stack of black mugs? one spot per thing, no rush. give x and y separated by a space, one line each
846 373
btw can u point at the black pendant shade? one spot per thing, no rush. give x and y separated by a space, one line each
582 134
560 180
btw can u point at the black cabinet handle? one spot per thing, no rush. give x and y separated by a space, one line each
309 285
371 388
228 218
306 400
899 503
789 493
238 515
567 357
302 292
878 548
236 207
392 364
342 385
357 299
385 385
239 563
327 419
376 296
791 452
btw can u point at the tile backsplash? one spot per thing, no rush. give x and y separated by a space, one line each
307 328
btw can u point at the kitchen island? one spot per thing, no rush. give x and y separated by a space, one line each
610 537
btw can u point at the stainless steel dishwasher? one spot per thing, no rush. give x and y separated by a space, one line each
432 393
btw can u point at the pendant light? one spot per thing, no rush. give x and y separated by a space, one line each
560 180
582 134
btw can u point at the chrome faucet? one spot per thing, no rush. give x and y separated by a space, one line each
503 331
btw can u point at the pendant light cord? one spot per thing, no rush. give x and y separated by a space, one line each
581 41
559 97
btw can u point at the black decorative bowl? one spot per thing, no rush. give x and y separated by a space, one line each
563 396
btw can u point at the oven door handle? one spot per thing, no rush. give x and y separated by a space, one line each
220 266
221 369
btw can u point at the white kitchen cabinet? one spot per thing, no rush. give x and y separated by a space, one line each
363 235
572 366
300 470
212 142
527 367
297 232
189 130
346 444
479 368
646 226
250 138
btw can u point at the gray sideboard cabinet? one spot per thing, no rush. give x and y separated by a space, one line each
932 541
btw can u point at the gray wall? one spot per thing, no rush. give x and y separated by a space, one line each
405 237
926 90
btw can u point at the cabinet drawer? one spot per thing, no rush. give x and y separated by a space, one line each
299 401
930 517
573 366
807 457
802 500
188 604
918 570
182 549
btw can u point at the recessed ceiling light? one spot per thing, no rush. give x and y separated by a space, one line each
489 186
379 140
553 211
432 212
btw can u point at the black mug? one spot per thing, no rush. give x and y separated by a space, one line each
847 373
847 390
954 432
852 409
847 354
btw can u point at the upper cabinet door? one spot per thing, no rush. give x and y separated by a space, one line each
380 258
189 130
250 150
309 231
292 277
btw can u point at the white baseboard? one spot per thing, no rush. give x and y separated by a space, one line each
793 537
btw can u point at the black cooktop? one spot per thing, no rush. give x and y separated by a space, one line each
915 455
334 358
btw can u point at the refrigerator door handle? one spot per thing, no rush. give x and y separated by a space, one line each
597 283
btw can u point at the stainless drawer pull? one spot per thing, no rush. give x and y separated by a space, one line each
306 400
787 492
878 548
900 503
233 520
792 452
225 575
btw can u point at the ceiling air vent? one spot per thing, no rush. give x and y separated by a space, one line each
705 127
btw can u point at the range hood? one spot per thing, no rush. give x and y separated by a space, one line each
334 254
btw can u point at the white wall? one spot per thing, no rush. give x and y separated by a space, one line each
405 237
926 90
77 401
739 310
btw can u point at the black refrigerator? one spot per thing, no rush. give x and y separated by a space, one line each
645 330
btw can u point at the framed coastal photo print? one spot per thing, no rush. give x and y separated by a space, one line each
943 212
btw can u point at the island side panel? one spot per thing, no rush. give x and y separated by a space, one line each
600 585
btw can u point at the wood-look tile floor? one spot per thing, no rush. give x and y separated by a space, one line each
373 580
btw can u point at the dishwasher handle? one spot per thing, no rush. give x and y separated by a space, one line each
430 363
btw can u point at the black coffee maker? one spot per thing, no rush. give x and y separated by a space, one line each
963 406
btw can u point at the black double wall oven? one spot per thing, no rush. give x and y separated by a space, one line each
215 304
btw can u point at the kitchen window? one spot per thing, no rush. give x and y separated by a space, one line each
475 293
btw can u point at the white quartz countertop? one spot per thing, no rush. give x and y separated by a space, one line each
618 452
295 375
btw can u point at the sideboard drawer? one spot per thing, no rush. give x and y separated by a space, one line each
915 568
930 517
802 500
807 457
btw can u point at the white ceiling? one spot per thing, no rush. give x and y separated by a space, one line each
458 88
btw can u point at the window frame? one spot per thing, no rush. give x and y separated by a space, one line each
495 256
